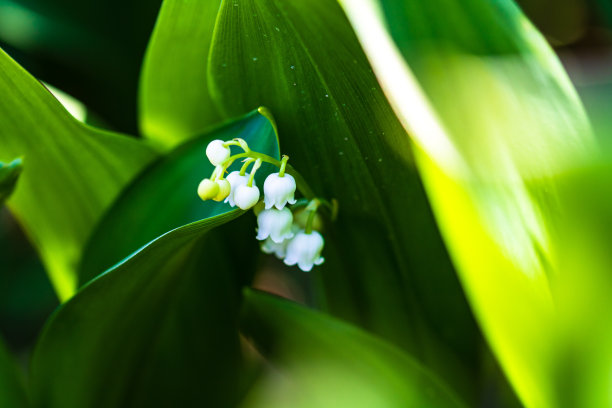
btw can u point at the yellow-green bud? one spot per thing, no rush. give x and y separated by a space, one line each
224 190
208 189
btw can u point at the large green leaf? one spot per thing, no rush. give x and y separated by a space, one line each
73 171
159 329
12 389
165 197
174 100
583 284
9 173
302 60
175 297
494 119
318 361
386 268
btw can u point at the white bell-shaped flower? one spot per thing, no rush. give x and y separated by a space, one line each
279 191
275 224
236 180
278 249
217 153
246 197
305 250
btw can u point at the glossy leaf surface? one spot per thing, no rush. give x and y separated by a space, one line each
175 64
9 173
494 120
73 173
302 60
321 361
164 197
159 329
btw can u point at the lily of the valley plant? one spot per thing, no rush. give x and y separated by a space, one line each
446 192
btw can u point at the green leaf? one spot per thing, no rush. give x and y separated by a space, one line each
159 329
164 197
175 297
583 351
175 64
75 107
12 390
494 120
73 171
303 61
9 173
323 362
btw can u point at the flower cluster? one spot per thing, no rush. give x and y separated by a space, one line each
295 242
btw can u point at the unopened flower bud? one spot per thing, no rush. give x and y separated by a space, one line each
207 189
246 197
224 190
217 153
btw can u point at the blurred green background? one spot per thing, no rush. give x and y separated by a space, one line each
93 53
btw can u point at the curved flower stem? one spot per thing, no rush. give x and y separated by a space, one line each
301 184
217 173
331 206
312 206
243 144
231 143
253 171
281 172
244 167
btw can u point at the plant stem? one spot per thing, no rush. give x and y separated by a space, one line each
302 186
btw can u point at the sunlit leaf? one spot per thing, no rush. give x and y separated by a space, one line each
12 389
582 289
318 361
494 119
386 268
73 171
165 196
175 297
302 60
9 173
72 105
175 65
159 329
